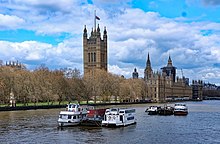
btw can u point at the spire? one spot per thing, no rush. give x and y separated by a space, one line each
92 32
85 32
148 69
105 32
98 29
169 62
148 60
135 70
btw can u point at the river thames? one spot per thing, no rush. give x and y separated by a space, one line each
200 126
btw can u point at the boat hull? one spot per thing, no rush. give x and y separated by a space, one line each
118 124
65 124
152 112
180 113
92 123
166 110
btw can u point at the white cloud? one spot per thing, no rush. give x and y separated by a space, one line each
34 53
33 56
10 21
135 33
127 72
132 33
41 6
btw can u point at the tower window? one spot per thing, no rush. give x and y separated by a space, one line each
94 57
102 57
89 57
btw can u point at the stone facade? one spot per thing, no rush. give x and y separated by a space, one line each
197 87
165 86
94 50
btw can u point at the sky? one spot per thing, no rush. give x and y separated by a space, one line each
36 32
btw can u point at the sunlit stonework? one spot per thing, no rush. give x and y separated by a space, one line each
94 50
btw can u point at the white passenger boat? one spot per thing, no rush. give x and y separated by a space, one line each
180 109
119 117
152 110
73 115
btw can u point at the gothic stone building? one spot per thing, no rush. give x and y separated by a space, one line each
94 50
164 86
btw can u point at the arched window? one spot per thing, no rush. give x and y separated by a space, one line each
89 57
94 57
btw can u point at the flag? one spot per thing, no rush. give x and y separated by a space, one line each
97 17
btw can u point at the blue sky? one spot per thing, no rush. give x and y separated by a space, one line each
37 32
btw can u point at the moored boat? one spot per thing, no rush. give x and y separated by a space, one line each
115 117
180 109
166 110
96 114
73 115
153 110
94 117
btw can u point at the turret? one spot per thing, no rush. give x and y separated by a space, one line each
135 74
85 32
91 33
105 34
169 70
98 31
85 37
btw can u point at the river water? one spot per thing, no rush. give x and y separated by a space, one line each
200 126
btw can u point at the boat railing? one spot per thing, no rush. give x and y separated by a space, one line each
76 108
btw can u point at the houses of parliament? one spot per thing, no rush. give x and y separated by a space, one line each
165 86
160 86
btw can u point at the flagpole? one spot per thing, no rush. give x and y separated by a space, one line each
93 59
95 21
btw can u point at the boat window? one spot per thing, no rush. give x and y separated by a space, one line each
178 104
130 118
114 109
121 112
64 116
74 117
130 111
